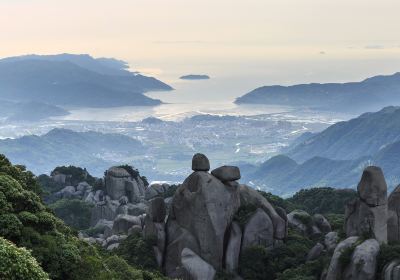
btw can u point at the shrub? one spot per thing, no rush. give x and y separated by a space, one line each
17 263
74 212
244 213
10 226
138 251
387 253
322 200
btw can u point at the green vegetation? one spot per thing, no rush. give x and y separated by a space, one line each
322 200
388 253
278 201
77 174
74 212
244 213
138 251
261 263
27 222
134 173
18 263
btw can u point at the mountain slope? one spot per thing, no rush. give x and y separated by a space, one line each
372 92
93 150
70 80
362 136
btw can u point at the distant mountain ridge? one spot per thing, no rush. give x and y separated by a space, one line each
75 80
358 137
93 150
371 93
336 156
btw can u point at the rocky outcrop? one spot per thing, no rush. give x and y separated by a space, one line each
233 248
331 239
258 231
251 196
367 214
363 262
335 267
118 183
391 271
205 207
201 236
315 252
312 226
156 190
393 225
195 268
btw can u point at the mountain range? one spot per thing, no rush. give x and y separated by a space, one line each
336 156
369 94
93 150
75 80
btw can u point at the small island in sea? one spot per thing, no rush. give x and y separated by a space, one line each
194 77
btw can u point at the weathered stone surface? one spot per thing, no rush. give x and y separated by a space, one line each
200 163
258 231
322 223
361 219
135 229
335 268
134 190
104 210
393 224
123 223
227 173
372 187
137 209
157 210
363 262
196 268
315 252
233 248
296 220
115 180
331 239
391 271
251 196
205 207
178 239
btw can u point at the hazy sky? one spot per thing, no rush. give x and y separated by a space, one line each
281 41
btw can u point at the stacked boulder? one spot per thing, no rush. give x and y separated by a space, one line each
367 214
122 194
200 236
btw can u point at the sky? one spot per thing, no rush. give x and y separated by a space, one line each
256 42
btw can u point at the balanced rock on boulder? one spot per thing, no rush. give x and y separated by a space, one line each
227 173
200 163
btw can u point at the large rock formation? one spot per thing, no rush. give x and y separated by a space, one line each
205 207
363 261
201 234
367 214
394 215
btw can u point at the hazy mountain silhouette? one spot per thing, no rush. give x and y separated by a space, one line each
75 80
371 93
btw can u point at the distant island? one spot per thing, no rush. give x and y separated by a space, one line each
75 80
369 94
194 77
